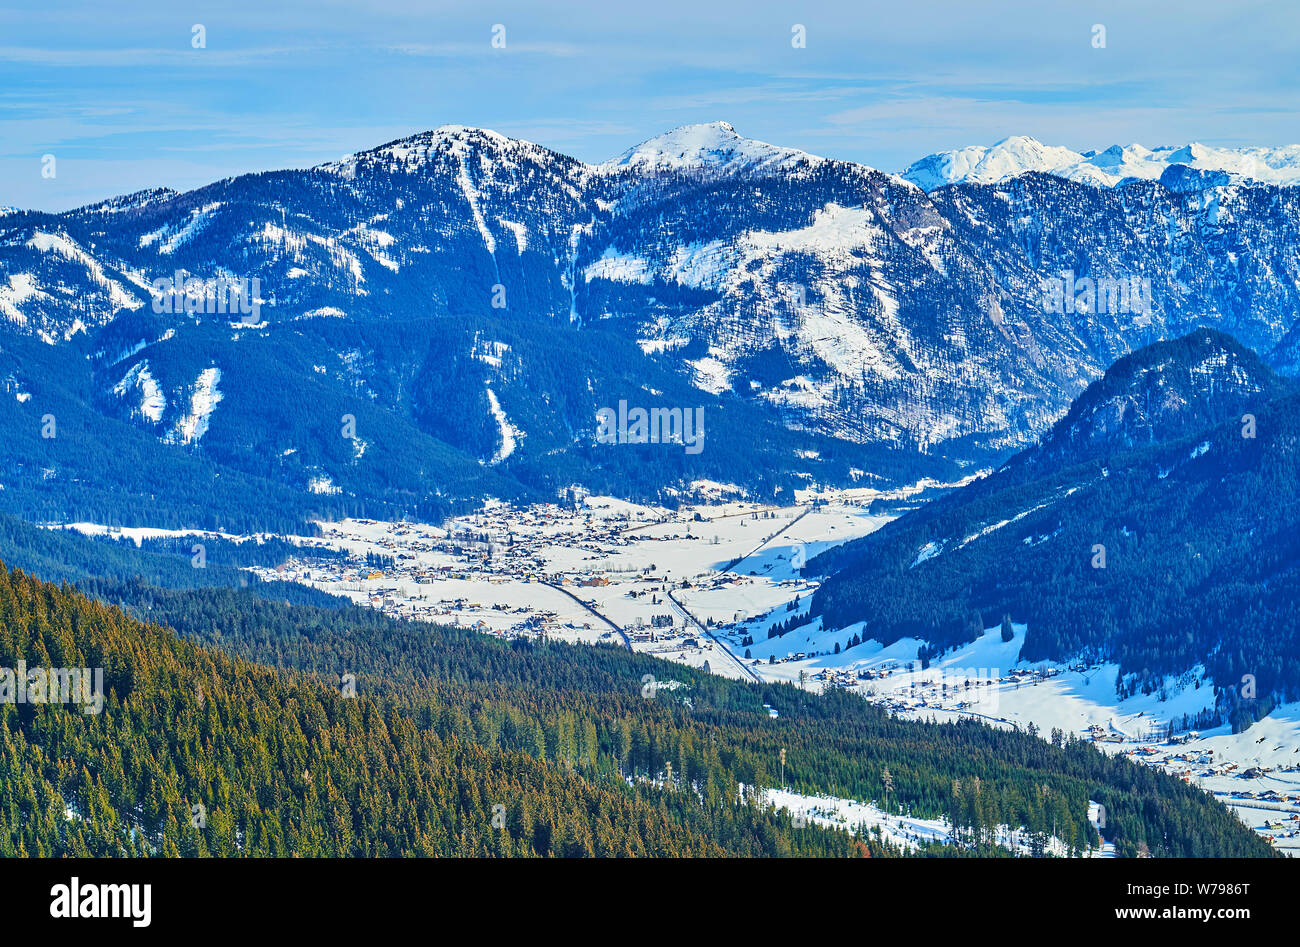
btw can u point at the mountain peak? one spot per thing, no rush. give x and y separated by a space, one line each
444 135
1018 141
710 145
450 141
1159 393
1008 158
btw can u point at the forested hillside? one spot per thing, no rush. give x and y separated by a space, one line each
283 765
446 724
1129 536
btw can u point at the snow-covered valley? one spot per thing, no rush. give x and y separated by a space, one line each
707 585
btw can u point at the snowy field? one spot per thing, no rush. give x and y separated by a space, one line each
903 830
602 572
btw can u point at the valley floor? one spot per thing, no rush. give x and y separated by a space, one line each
693 585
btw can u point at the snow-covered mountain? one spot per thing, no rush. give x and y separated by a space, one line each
1019 155
715 146
483 297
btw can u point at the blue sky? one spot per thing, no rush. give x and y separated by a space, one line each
117 93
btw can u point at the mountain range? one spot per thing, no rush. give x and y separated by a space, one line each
440 318
1188 166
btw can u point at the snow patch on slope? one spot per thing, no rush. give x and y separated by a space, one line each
22 287
905 831
519 230
152 401
194 424
65 247
509 434
169 239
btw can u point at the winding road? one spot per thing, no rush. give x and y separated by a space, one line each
627 642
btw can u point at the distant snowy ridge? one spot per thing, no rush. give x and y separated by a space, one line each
718 147
1017 155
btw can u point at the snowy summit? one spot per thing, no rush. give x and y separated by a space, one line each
714 145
